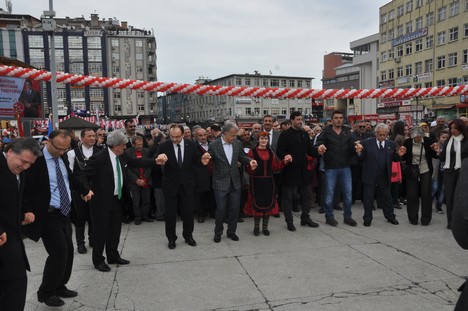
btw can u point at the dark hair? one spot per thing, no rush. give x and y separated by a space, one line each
337 112
294 115
285 122
398 129
444 131
180 127
126 122
459 125
25 143
135 138
83 131
268 116
216 128
62 133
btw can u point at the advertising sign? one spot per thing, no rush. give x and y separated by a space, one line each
22 96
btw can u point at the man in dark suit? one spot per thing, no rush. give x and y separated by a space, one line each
178 183
78 158
18 156
377 156
225 153
31 101
139 181
48 195
295 177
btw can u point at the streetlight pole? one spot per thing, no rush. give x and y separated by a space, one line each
49 24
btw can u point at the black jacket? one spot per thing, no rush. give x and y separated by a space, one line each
340 148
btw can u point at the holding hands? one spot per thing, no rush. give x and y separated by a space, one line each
402 151
253 164
322 149
28 218
205 158
161 159
287 159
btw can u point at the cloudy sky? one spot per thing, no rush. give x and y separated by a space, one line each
215 38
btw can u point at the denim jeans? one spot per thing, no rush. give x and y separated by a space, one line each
343 176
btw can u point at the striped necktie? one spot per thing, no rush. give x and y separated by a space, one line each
65 205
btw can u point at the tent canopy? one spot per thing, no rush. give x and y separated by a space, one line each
77 123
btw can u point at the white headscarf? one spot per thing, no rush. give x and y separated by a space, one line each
456 140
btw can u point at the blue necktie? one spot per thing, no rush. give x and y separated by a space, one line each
65 205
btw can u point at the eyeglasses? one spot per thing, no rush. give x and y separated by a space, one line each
362 126
58 148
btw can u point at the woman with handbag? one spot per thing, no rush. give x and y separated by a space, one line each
454 151
418 172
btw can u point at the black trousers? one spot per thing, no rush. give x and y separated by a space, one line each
106 233
415 188
186 202
57 239
450 183
380 192
81 217
288 194
13 294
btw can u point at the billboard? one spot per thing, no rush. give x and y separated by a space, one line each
22 96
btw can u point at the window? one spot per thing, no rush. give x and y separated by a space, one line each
454 8
299 83
292 83
430 19
391 54
238 81
400 30
419 23
409 6
452 82
453 34
117 108
391 34
408 70
441 38
139 43
399 72
428 84
256 111
409 27
383 37
284 83
400 51
440 83
265 82
274 82
383 18
75 42
418 44
391 74
442 13
418 68
247 81
466 5
419 3
465 30
383 75
36 41
391 15
441 62
400 10
452 59
428 65
409 48
383 56
94 42
429 42
465 57
141 107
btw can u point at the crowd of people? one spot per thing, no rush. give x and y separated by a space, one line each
224 172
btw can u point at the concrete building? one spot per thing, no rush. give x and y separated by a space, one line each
95 47
423 43
11 38
245 110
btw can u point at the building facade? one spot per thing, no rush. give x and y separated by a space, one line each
424 43
92 47
245 110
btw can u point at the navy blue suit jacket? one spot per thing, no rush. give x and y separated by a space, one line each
370 157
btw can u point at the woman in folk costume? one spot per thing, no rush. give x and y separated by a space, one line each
261 202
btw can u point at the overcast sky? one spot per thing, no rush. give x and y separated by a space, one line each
215 38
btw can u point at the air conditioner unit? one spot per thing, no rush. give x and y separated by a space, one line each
398 60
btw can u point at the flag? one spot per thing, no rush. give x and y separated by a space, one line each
50 127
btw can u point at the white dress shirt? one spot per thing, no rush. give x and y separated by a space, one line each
114 168
227 150
181 150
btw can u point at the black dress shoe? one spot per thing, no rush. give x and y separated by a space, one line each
240 220
137 222
233 236
331 222
82 249
351 222
414 222
217 238
291 226
161 218
321 210
119 261
277 215
190 242
53 301
367 223
201 219
309 222
266 232
67 293
171 244
256 232
148 219
103 267
393 221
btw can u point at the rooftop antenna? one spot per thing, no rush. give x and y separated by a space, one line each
9 6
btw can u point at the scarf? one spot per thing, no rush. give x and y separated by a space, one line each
457 141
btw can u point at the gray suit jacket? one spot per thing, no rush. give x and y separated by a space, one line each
274 141
223 172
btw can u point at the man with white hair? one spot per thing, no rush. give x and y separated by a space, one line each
440 126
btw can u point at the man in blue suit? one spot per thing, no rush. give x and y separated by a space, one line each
377 155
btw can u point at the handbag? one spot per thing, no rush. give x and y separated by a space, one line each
412 170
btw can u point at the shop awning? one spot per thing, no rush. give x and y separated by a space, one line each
437 107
